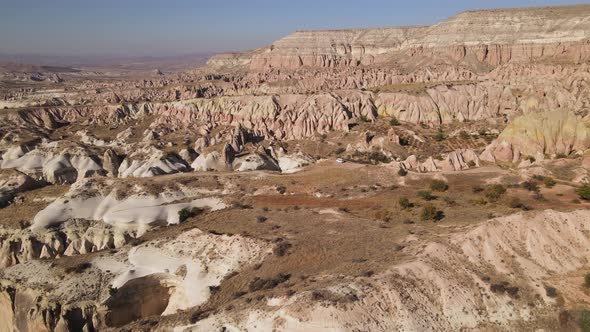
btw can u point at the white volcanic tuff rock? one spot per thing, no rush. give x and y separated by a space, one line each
444 278
16 152
12 183
136 210
101 200
188 155
176 276
151 162
457 160
70 238
254 161
294 162
190 271
55 167
208 162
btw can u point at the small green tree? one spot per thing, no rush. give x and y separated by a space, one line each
584 192
183 215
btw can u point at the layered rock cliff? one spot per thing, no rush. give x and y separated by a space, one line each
482 39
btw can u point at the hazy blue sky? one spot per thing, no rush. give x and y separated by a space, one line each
172 27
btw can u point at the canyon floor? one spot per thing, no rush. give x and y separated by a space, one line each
429 178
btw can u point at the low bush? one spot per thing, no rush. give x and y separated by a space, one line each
584 192
549 182
439 136
394 121
183 215
584 320
439 185
261 284
430 212
426 195
495 192
530 186
587 280
281 248
516 203
464 135
405 203
402 172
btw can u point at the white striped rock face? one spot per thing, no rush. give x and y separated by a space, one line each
491 37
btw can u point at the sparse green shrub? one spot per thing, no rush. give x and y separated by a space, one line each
439 185
495 192
464 135
405 203
587 280
549 182
185 213
439 136
530 186
551 291
430 212
426 195
402 172
584 192
584 320
515 203
394 121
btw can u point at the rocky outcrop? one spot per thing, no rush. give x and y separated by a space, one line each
457 160
519 254
13 182
68 239
29 310
544 133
